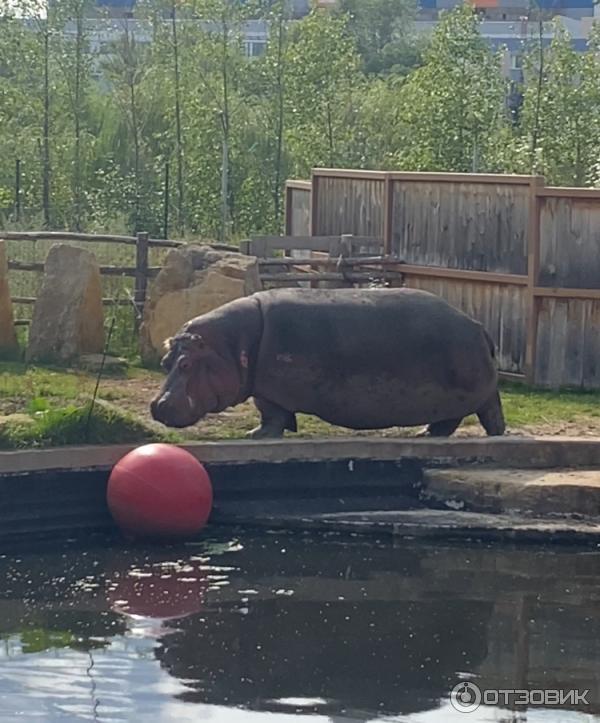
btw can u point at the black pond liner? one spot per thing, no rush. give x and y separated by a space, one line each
347 497
64 502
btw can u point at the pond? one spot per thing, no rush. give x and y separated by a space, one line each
270 627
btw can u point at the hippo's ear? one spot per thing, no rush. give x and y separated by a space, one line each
191 342
185 339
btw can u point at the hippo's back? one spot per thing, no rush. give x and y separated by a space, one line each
369 358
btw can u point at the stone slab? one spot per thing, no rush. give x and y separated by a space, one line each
68 316
557 492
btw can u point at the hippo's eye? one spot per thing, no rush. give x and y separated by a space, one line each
184 364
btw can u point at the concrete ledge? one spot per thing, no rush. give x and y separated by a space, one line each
561 492
357 485
509 452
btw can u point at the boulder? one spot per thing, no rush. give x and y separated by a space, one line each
193 280
8 337
68 318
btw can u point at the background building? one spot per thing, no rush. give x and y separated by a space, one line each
506 24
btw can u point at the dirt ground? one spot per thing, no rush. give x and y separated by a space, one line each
135 394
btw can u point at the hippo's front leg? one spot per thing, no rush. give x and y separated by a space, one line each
274 420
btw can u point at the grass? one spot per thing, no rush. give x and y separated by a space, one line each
69 426
42 406
46 407
524 406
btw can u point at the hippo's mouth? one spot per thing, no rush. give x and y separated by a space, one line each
165 413
178 423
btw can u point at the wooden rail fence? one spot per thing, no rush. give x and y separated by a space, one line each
312 260
521 257
140 272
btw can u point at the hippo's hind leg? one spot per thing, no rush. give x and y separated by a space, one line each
274 420
444 428
491 416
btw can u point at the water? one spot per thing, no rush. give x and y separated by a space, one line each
272 627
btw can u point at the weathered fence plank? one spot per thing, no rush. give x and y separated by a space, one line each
131 271
500 308
349 206
266 246
568 343
473 226
84 238
297 217
570 242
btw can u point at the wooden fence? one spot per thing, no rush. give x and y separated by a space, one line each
321 260
521 257
141 271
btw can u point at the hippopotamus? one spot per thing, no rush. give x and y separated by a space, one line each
359 358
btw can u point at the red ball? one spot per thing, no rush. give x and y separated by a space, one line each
161 491
158 592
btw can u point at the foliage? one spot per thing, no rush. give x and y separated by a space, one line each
96 126
382 29
562 112
452 108
323 87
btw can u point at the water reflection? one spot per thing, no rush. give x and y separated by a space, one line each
290 625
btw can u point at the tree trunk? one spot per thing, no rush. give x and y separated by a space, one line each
226 193
280 118
538 102
178 125
136 154
77 191
46 132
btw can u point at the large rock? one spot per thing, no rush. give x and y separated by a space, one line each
68 319
194 280
8 337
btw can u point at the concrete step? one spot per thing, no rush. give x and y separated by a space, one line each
537 492
431 524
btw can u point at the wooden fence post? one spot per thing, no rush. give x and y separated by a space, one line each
314 204
141 275
18 190
388 214
288 209
533 272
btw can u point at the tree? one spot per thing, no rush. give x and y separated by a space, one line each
384 35
126 69
221 68
20 111
269 88
74 64
453 107
324 85
560 119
